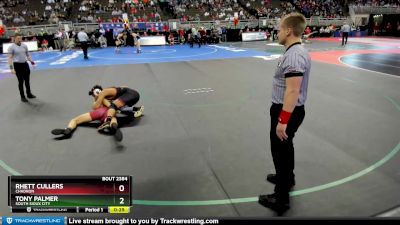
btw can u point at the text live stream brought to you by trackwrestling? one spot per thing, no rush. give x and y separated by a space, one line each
20 220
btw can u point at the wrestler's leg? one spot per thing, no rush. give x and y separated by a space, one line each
112 111
84 118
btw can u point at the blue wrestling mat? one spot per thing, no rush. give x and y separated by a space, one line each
128 55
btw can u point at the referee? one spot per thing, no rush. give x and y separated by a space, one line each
345 33
287 111
18 55
83 39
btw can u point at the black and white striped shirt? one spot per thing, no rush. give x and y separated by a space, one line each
294 62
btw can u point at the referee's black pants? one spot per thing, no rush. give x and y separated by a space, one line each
283 151
84 46
345 36
23 73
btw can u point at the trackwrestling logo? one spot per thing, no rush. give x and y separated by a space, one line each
32 220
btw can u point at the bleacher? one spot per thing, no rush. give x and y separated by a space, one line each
105 15
267 9
191 13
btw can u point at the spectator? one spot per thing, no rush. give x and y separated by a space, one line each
307 31
171 39
376 28
328 31
314 7
103 41
45 45
223 32
322 32
275 33
90 19
2 31
48 8
157 15
389 28
398 29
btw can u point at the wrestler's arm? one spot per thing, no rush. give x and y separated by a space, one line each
106 103
106 93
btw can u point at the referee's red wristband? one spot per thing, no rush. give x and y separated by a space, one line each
284 117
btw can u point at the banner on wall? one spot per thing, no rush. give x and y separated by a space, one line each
254 36
157 27
32 46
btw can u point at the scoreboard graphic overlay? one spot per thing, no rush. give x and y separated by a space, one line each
70 194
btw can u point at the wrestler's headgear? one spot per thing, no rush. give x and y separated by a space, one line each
95 91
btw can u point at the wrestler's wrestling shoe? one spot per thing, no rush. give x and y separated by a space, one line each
67 132
111 128
139 113
105 127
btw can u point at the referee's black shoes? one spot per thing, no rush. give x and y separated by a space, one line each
271 201
272 179
31 95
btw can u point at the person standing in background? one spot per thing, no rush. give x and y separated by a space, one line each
2 30
83 39
345 33
57 40
18 55
322 32
376 28
389 29
223 35
275 31
398 29
64 40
